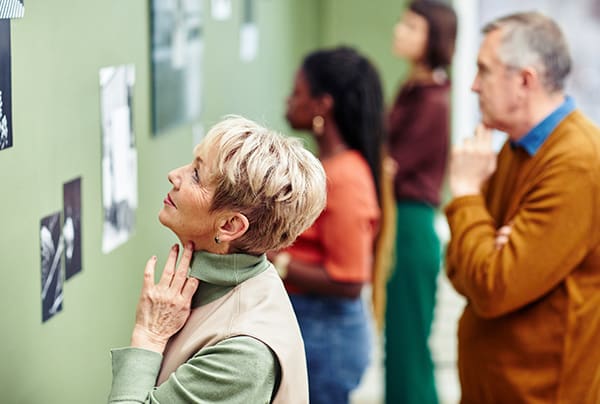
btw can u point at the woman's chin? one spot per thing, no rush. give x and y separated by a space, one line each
162 218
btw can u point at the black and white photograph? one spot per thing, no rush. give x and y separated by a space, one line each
220 9
12 9
119 155
176 48
51 252
248 33
72 227
6 136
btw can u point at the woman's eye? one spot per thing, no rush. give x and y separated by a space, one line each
195 175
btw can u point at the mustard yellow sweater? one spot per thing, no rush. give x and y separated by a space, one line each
530 332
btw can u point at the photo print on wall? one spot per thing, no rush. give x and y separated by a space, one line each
119 155
176 62
220 9
12 9
6 136
248 33
51 252
72 226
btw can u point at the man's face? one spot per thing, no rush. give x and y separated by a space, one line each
497 85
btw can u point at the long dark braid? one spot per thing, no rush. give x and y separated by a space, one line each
353 83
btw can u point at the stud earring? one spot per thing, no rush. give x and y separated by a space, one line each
318 125
217 240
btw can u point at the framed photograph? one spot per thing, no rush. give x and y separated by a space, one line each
6 130
119 155
51 253
72 227
249 35
12 9
220 9
176 62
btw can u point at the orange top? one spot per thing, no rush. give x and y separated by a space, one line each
530 332
343 236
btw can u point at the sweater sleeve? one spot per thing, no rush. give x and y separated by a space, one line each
236 370
551 235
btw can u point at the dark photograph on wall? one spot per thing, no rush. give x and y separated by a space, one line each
12 9
72 227
176 62
51 252
119 155
6 138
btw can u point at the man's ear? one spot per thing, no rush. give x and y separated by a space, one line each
530 78
233 226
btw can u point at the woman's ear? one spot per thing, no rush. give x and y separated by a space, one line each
233 226
322 104
325 104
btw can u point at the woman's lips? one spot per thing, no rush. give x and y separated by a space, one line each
169 201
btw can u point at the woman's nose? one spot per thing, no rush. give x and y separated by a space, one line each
174 177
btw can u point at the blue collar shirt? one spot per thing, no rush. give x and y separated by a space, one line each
533 140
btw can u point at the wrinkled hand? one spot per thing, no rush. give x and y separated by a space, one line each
472 163
164 307
502 235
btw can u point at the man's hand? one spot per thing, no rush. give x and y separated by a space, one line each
164 307
502 235
472 163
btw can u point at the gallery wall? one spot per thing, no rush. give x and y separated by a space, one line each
58 49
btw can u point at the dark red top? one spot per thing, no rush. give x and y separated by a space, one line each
419 132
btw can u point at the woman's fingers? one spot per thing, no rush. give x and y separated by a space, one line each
182 269
149 273
169 270
189 288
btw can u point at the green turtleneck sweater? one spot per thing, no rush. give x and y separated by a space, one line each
236 370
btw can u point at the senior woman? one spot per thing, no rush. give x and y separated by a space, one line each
225 331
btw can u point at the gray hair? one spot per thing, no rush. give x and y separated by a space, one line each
531 39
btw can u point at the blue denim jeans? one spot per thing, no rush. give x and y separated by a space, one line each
337 338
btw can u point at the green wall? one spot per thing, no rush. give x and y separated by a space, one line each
57 51
368 26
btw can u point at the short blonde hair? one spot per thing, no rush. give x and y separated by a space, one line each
271 179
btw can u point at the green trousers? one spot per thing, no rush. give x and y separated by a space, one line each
409 376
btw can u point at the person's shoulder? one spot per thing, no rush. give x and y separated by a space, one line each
348 166
581 125
350 182
578 140
439 92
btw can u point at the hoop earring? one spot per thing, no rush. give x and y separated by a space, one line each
217 240
318 125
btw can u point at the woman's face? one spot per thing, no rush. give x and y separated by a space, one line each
410 37
301 106
186 207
